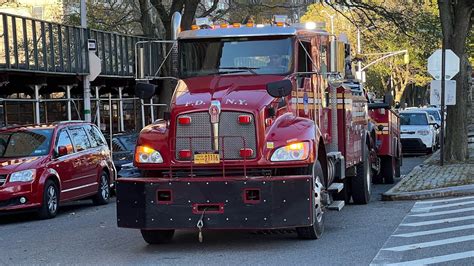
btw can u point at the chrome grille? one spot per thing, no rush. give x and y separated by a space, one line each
3 179
232 134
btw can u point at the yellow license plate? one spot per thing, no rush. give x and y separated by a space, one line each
206 158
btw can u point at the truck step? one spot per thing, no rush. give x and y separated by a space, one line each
335 187
336 205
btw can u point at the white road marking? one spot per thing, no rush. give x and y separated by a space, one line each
437 259
440 221
442 212
431 243
437 231
443 200
422 209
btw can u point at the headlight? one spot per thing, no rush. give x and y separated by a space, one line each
423 132
293 152
23 176
145 154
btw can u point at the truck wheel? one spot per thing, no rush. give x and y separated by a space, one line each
153 237
397 167
316 230
389 166
361 183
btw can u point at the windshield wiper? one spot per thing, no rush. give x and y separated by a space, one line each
249 69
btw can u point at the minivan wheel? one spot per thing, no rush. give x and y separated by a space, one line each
50 204
103 194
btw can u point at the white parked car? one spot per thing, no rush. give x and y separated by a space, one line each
418 131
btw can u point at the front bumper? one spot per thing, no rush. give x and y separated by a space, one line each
413 145
224 203
10 194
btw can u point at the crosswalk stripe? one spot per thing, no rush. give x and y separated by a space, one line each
422 209
442 212
437 231
437 259
431 243
443 200
440 221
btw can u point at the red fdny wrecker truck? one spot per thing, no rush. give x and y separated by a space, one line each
261 134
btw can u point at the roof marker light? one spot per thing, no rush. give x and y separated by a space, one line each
224 25
194 27
250 25
236 25
310 25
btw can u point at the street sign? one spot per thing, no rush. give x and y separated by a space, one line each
452 64
95 66
449 92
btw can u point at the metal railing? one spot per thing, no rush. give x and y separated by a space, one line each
33 45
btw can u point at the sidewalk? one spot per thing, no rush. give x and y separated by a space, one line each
429 180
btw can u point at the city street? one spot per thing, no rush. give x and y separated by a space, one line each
86 234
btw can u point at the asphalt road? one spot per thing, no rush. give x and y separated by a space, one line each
86 234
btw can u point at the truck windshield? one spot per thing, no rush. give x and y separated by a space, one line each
413 119
25 143
251 56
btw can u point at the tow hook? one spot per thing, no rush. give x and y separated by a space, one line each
200 225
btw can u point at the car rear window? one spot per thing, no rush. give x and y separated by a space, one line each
25 143
413 119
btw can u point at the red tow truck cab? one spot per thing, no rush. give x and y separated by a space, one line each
262 134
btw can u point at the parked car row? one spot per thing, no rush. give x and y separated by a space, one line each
420 129
43 166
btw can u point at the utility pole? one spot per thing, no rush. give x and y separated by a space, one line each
86 82
332 21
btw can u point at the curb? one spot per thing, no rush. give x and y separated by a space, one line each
430 193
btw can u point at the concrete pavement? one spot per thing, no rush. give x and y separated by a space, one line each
436 231
429 180
85 234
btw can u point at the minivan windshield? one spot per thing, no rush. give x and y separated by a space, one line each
25 143
203 57
413 119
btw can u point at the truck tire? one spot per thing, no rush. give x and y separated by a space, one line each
154 237
361 183
316 230
389 166
398 162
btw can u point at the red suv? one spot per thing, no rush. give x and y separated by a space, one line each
42 166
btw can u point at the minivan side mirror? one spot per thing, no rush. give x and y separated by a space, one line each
62 150
279 89
144 90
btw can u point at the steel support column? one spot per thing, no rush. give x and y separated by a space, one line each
121 124
37 105
142 105
68 96
97 105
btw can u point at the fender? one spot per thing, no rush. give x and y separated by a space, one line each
156 136
42 179
288 128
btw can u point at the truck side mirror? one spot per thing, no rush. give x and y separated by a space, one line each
144 90
279 89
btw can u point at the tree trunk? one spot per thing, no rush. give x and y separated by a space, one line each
455 19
